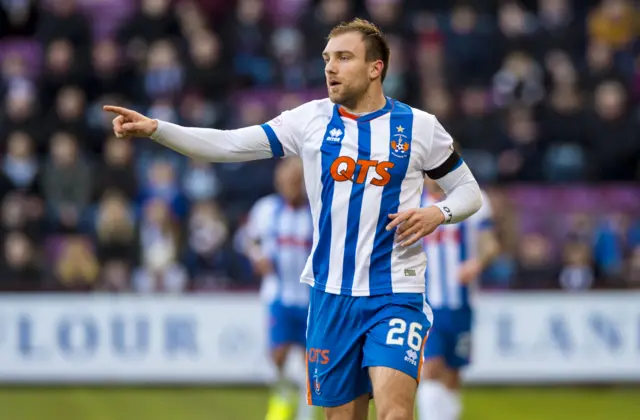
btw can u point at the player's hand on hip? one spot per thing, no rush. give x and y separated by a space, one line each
128 123
415 224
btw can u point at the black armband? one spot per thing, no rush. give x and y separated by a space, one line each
452 162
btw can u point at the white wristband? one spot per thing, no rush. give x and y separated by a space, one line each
446 211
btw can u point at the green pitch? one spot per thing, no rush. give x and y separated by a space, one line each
249 404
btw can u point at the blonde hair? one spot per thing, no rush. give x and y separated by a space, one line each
77 262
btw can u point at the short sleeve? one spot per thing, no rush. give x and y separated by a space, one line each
259 228
441 156
256 222
285 132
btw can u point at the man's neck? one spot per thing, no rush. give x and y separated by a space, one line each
370 102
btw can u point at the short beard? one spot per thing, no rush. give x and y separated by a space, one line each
351 98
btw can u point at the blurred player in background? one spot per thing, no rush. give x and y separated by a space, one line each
365 157
280 233
456 255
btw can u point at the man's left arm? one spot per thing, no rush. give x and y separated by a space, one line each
463 195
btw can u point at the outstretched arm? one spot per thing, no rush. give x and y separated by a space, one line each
244 144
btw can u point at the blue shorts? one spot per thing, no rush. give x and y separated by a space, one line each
347 335
287 325
450 337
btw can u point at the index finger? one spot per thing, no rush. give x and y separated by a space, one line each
118 110
401 217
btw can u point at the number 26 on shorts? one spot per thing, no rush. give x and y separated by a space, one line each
397 330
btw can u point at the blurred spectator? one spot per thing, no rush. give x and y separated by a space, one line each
600 66
111 74
431 54
282 12
117 171
288 46
209 72
75 265
115 229
439 102
522 150
164 76
560 69
115 277
477 130
389 16
469 52
196 111
579 228
612 135
200 181
20 114
518 82
66 183
20 212
615 23
20 164
19 18
192 19
14 73
63 67
577 272
163 109
536 267
318 22
153 22
19 271
68 115
171 279
563 132
517 28
558 29
247 34
159 247
61 19
162 183
477 126
206 235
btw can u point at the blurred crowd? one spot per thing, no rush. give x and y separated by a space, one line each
569 238
543 91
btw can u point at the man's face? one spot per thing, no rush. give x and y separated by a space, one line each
347 71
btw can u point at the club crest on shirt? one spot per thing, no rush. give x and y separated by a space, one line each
400 143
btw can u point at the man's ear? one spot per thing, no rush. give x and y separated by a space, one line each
376 69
